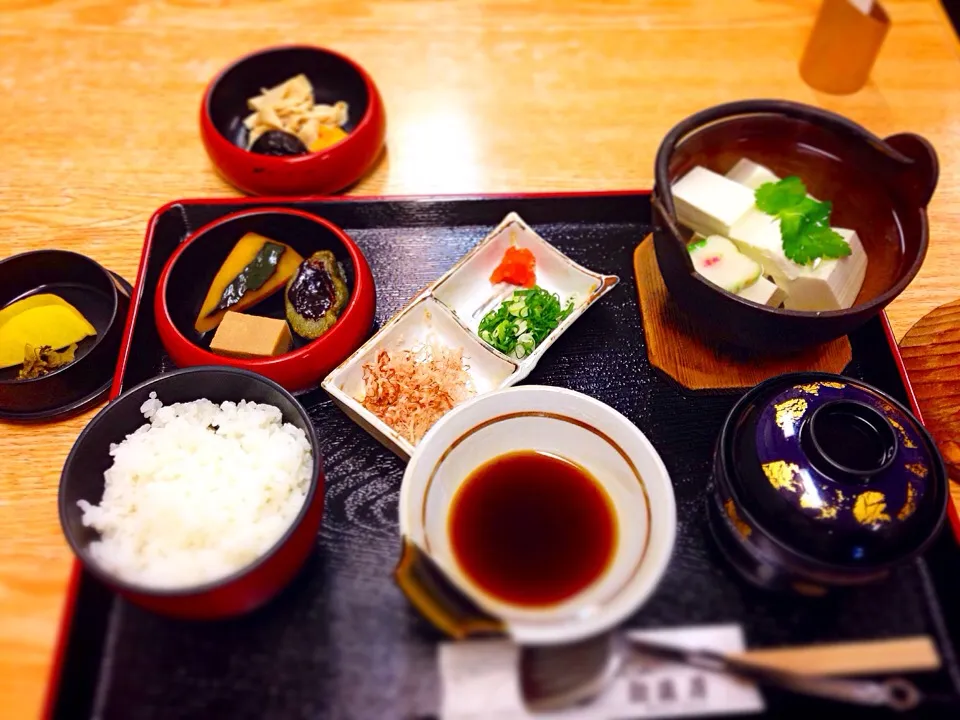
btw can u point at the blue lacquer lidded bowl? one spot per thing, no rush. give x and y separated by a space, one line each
821 480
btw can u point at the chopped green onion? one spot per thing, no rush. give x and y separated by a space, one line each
523 320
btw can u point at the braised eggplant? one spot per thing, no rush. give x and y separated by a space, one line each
316 295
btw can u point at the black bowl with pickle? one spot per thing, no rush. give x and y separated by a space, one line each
61 326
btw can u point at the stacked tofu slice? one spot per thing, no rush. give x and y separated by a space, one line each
742 250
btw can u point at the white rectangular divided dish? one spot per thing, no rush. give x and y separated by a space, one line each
467 291
449 312
414 327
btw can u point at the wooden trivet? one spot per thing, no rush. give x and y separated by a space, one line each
674 347
931 355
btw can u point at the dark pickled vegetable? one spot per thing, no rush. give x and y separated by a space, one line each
316 295
278 142
38 361
253 276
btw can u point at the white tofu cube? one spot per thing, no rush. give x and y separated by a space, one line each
822 285
709 203
751 174
829 284
763 292
757 235
719 261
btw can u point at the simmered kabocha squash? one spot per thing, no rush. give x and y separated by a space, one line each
255 269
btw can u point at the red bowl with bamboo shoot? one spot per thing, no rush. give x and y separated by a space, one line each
334 78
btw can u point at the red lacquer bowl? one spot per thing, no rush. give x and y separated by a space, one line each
334 77
82 479
188 273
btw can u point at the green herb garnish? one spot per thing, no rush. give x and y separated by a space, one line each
804 222
523 320
697 244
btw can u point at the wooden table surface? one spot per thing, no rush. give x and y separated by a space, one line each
98 127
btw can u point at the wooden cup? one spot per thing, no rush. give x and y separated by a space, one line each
843 46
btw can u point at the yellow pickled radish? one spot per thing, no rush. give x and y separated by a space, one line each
41 300
14 309
39 320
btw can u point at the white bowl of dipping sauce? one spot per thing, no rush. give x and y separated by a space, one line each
560 546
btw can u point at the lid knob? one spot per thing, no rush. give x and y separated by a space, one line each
848 441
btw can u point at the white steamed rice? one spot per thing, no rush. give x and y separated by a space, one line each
199 492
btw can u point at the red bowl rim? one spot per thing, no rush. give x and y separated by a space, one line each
205 357
317 481
281 161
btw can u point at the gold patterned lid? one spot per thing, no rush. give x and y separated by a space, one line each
836 469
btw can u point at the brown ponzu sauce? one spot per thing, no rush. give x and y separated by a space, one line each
531 528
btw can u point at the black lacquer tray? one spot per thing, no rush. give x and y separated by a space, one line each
341 641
